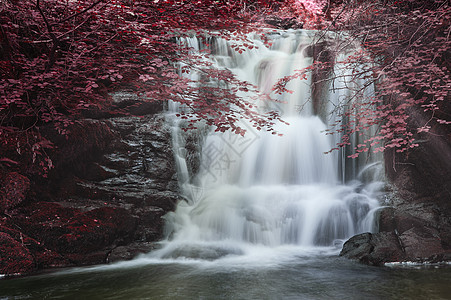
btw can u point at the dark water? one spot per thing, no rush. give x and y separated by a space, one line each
315 276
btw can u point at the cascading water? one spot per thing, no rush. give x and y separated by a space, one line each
264 190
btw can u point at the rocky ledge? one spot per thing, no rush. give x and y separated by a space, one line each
114 179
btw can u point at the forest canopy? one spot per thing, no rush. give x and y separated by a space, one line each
59 59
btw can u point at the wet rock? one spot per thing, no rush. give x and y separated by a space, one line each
150 228
373 249
86 142
202 252
118 222
86 259
164 200
401 220
421 232
420 243
125 103
129 252
72 156
97 172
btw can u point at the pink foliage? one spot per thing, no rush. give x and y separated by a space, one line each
405 53
59 58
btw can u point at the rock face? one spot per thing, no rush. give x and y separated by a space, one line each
114 179
417 224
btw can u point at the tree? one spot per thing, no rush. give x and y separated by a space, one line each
59 58
405 53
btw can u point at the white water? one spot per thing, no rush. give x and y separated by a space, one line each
262 192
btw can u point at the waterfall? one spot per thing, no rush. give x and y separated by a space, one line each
263 189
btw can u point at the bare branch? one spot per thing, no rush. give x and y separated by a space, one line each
52 54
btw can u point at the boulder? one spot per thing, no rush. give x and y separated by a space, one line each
373 249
